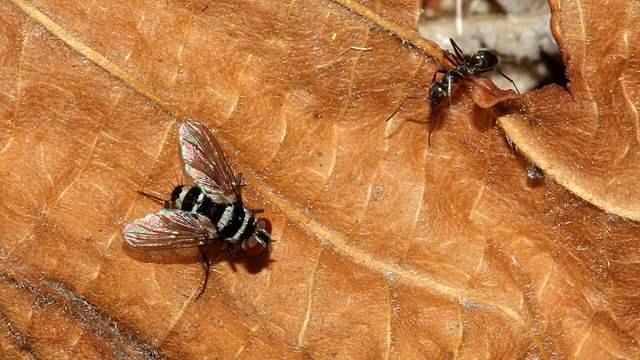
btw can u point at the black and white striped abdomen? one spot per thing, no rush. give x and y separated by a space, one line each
234 222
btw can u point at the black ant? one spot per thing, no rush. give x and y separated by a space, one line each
480 62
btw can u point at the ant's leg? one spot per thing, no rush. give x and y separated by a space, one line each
508 78
207 265
433 80
458 51
449 87
440 71
455 62
451 59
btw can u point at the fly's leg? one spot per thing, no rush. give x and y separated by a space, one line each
206 264
239 181
232 251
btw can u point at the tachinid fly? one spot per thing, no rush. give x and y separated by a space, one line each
210 212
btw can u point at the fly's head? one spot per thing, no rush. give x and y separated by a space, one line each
260 239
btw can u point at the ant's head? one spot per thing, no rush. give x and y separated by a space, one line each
437 92
484 59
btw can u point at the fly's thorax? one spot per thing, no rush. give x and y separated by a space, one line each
238 225
178 194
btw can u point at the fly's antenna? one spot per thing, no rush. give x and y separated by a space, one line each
165 203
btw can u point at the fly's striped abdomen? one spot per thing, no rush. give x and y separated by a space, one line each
232 221
211 209
193 199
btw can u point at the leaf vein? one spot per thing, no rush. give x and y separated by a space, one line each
307 315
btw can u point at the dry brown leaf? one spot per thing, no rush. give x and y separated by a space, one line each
382 249
588 139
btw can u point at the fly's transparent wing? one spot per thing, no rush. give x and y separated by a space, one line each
207 164
170 229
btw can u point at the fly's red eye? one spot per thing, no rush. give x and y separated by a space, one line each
264 224
253 246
